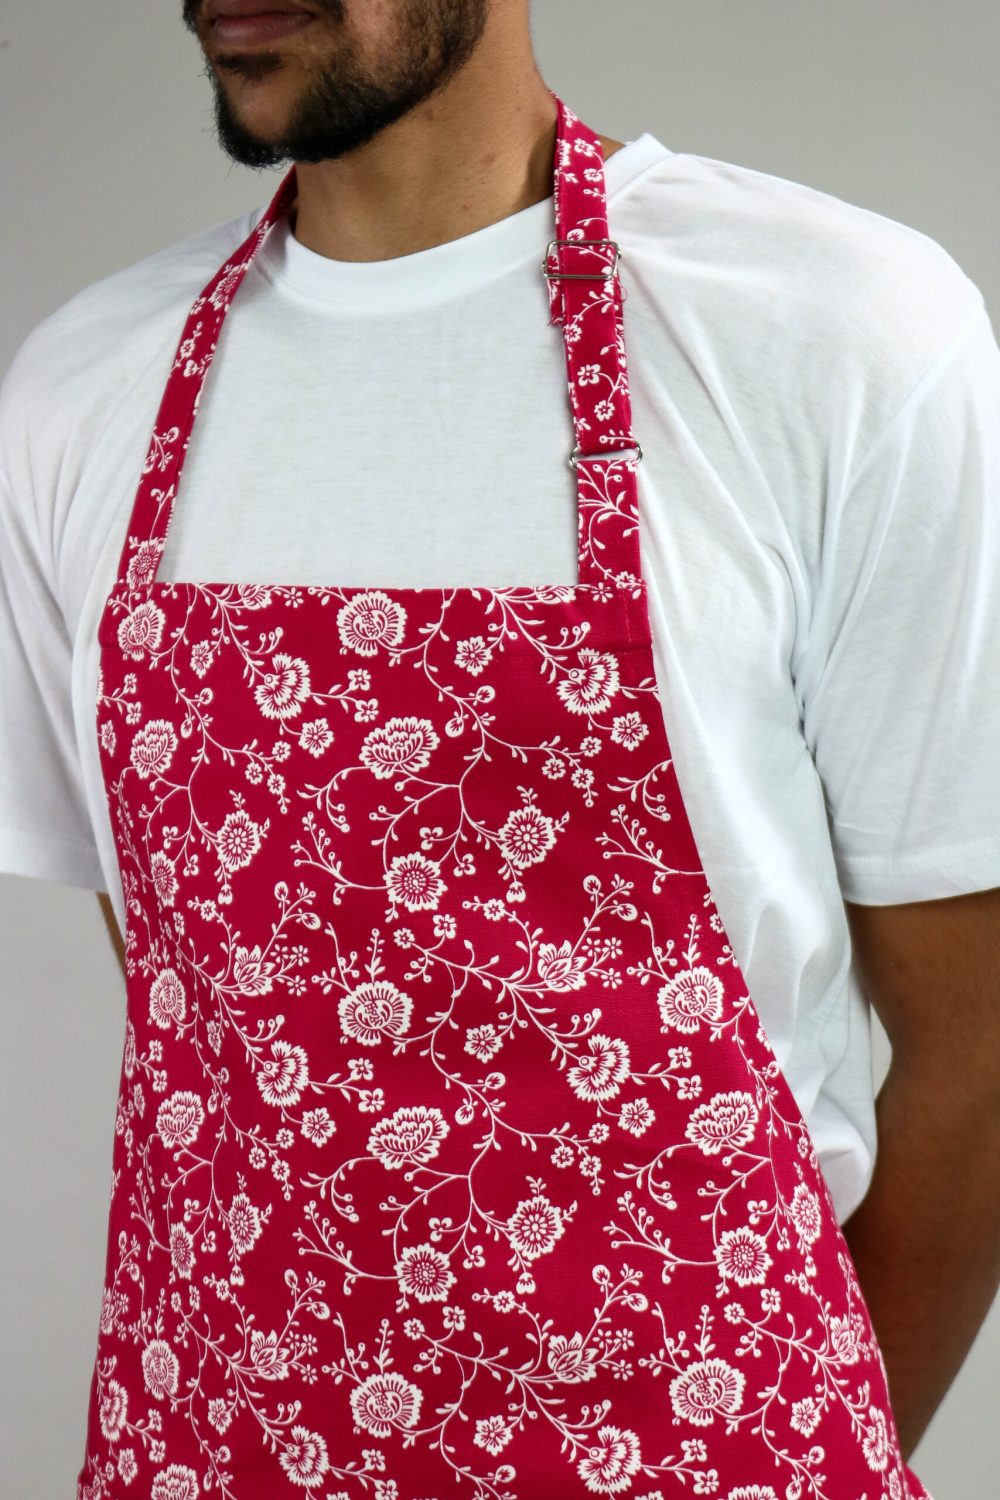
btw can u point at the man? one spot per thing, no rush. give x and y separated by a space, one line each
817 392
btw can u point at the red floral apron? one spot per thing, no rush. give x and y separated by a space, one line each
451 1159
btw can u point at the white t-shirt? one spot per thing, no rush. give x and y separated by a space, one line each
816 389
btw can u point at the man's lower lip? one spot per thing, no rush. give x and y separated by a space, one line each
269 26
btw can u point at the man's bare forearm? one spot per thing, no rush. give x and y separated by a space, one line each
926 1237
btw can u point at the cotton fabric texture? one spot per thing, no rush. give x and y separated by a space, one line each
818 392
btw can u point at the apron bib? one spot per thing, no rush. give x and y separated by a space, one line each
451 1158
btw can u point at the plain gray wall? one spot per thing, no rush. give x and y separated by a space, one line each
108 153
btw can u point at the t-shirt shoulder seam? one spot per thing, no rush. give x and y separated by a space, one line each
644 170
917 391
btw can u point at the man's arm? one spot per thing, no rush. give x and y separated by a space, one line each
926 1236
111 922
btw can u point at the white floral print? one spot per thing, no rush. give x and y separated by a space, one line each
374 1010
610 1463
534 1227
415 881
691 998
400 746
600 1073
369 621
284 689
589 686
410 1137
450 1156
722 1123
382 1402
707 1389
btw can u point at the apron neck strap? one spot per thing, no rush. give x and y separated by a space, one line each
585 301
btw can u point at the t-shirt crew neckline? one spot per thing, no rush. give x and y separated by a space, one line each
442 272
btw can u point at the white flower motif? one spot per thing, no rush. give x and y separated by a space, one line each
238 840
252 971
723 1122
142 564
176 1482
283 690
373 1010
141 630
601 1074
269 1359
805 1415
534 1227
742 1255
202 657
316 736
409 1137
384 1401
636 1116
609 1464
399 747
415 881
424 1273
113 1409
181 1251
161 869
160 1369
167 1002
560 968
805 1211
179 1119
692 996
473 654
570 1360
493 1434
153 748
244 1221
129 1055
526 837
371 620
589 687
875 1441
304 1459
220 1414
253 595
847 1335
282 1077
317 1126
483 1042
707 1389
629 730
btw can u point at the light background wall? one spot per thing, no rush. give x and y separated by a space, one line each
107 152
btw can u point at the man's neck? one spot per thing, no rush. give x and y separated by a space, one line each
473 154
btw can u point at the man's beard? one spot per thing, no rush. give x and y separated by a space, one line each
343 105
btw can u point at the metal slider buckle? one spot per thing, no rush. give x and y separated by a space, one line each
578 456
603 275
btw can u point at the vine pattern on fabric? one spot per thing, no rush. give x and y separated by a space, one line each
451 1156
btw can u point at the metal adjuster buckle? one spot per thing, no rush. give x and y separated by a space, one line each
577 456
603 275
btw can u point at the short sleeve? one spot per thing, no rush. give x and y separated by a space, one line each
45 829
901 709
